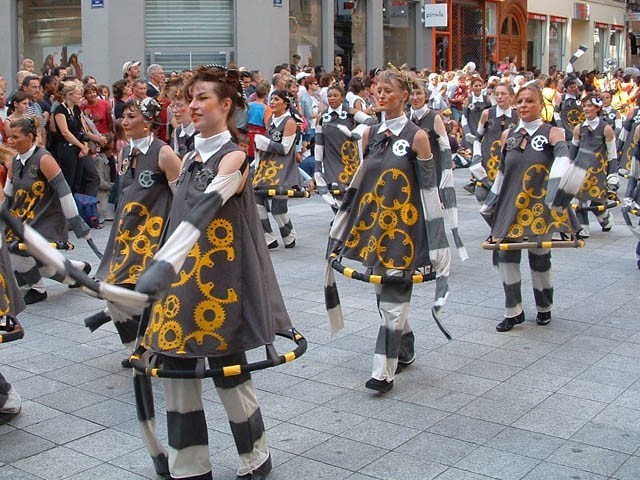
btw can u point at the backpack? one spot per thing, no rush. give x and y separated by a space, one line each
88 209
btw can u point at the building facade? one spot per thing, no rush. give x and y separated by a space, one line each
438 34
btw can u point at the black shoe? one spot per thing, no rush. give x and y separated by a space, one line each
470 187
95 321
379 385
638 263
126 363
543 318
402 364
509 322
86 268
259 473
272 245
290 245
34 296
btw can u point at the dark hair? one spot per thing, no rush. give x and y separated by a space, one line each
18 97
355 85
336 86
46 80
118 89
28 125
57 70
226 84
27 80
283 94
88 88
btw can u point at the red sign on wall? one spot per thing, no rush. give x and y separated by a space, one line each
617 28
558 19
537 16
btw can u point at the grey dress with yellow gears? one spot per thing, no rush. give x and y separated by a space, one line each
491 144
341 155
145 200
11 301
276 170
626 137
571 114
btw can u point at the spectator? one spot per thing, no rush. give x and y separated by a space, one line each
139 89
28 65
74 67
156 80
131 70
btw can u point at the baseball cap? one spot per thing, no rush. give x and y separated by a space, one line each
302 75
127 65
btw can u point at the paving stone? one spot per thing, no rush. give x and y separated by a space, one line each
586 457
625 440
300 467
552 471
498 464
437 448
395 465
524 442
630 470
295 439
18 444
467 429
380 434
345 453
57 463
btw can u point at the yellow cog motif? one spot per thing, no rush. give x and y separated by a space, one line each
524 217
4 304
533 188
522 200
537 209
575 117
154 226
388 220
559 216
389 237
38 188
409 214
372 244
353 240
366 200
516 231
220 232
171 306
141 245
539 226
595 191
209 315
135 271
170 336
494 160
348 152
192 259
397 177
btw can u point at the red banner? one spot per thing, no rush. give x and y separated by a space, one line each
617 28
558 19
537 16
601 25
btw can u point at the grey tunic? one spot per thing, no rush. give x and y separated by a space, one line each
226 298
427 124
35 202
277 170
387 224
592 155
341 155
629 125
473 112
11 302
491 144
144 203
571 115
185 142
521 210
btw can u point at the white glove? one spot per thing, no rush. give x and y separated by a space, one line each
262 142
345 130
627 202
613 182
470 137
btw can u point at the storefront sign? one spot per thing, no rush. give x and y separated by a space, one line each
617 28
632 16
434 15
581 11
557 19
601 25
277 3
537 16
97 3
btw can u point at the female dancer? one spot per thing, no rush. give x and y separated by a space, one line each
277 166
593 148
625 139
473 107
431 122
225 299
337 151
184 133
39 196
488 145
515 207
392 223
148 170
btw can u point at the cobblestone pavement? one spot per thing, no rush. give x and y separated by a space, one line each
555 402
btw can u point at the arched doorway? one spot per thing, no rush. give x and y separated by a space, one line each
512 37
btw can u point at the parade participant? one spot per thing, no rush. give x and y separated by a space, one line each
148 170
609 114
11 304
632 194
515 207
276 159
392 223
215 309
625 139
487 147
185 132
593 149
337 152
472 109
569 111
431 122
39 196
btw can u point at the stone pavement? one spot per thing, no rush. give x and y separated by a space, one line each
556 402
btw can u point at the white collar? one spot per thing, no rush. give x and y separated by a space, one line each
395 124
421 112
337 110
530 127
141 144
591 123
569 95
475 99
503 113
187 131
23 157
278 120
206 147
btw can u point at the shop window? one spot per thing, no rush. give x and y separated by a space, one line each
399 32
350 34
49 27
